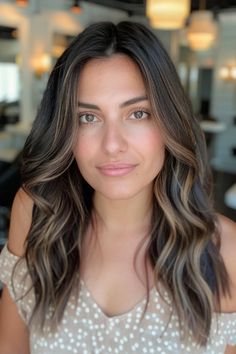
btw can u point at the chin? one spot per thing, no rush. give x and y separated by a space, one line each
117 195
122 193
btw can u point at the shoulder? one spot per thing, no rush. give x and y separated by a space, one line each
227 229
21 218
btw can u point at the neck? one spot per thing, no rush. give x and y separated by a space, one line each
123 217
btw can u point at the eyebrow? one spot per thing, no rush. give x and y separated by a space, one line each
124 104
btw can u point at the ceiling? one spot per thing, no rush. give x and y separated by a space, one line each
137 7
133 7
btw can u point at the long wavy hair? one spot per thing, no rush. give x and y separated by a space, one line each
184 238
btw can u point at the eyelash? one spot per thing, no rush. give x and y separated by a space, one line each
138 109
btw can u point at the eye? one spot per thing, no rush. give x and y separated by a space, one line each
87 118
140 114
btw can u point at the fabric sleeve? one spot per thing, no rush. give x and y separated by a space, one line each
14 274
232 329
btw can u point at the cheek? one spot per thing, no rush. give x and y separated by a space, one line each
84 151
154 144
156 152
81 150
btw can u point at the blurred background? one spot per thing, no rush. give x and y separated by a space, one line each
200 37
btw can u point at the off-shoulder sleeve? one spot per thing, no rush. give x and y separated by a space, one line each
223 329
14 274
231 328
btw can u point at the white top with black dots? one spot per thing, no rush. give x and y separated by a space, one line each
85 329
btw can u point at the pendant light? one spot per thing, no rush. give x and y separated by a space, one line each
167 14
76 7
22 3
202 31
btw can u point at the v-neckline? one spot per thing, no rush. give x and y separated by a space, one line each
140 304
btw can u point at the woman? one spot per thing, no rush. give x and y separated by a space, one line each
114 246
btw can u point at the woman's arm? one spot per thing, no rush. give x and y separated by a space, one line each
14 337
228 252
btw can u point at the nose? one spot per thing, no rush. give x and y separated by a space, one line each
114 138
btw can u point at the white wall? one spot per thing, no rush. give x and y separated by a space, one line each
224 92
10 16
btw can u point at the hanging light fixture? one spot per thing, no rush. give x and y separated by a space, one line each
22 2
202 31
167 14
76 7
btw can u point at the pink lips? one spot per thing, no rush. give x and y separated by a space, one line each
115 170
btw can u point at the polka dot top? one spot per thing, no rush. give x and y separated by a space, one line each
85 329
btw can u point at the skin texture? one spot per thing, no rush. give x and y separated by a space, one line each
116 134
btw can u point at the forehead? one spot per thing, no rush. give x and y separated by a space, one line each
116 73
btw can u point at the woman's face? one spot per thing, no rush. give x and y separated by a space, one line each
119 148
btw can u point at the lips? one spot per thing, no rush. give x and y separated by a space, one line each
116 169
